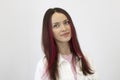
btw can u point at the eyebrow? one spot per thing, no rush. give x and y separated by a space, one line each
59 22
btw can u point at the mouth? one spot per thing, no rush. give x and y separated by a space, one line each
65 34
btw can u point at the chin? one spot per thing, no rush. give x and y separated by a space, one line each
66 39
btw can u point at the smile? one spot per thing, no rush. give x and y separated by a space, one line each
65 34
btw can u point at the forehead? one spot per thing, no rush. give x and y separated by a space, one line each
58 17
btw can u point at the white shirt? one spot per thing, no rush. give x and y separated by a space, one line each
65 71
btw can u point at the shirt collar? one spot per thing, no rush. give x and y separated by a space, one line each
61 60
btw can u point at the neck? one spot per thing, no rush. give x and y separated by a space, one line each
64 48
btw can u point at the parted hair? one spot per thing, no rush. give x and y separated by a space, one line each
51 50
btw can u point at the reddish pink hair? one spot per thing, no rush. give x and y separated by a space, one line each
51 50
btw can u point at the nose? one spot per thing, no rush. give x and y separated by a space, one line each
63 27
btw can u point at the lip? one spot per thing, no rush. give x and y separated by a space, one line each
65 34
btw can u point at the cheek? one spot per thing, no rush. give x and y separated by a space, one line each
69 28
55 34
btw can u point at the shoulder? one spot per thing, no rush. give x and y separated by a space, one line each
90 60
40 69
42 62
92 65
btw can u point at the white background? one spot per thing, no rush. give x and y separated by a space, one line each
97 23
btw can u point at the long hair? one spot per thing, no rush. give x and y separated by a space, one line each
50 48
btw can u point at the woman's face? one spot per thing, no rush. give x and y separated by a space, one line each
61 27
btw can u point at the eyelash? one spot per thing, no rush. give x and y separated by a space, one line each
64 23
56 25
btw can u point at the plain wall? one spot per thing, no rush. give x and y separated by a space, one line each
97 23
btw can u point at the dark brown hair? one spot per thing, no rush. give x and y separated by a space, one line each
50 47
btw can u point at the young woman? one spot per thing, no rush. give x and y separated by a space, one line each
63 58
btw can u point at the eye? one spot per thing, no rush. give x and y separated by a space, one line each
66 22
56 25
